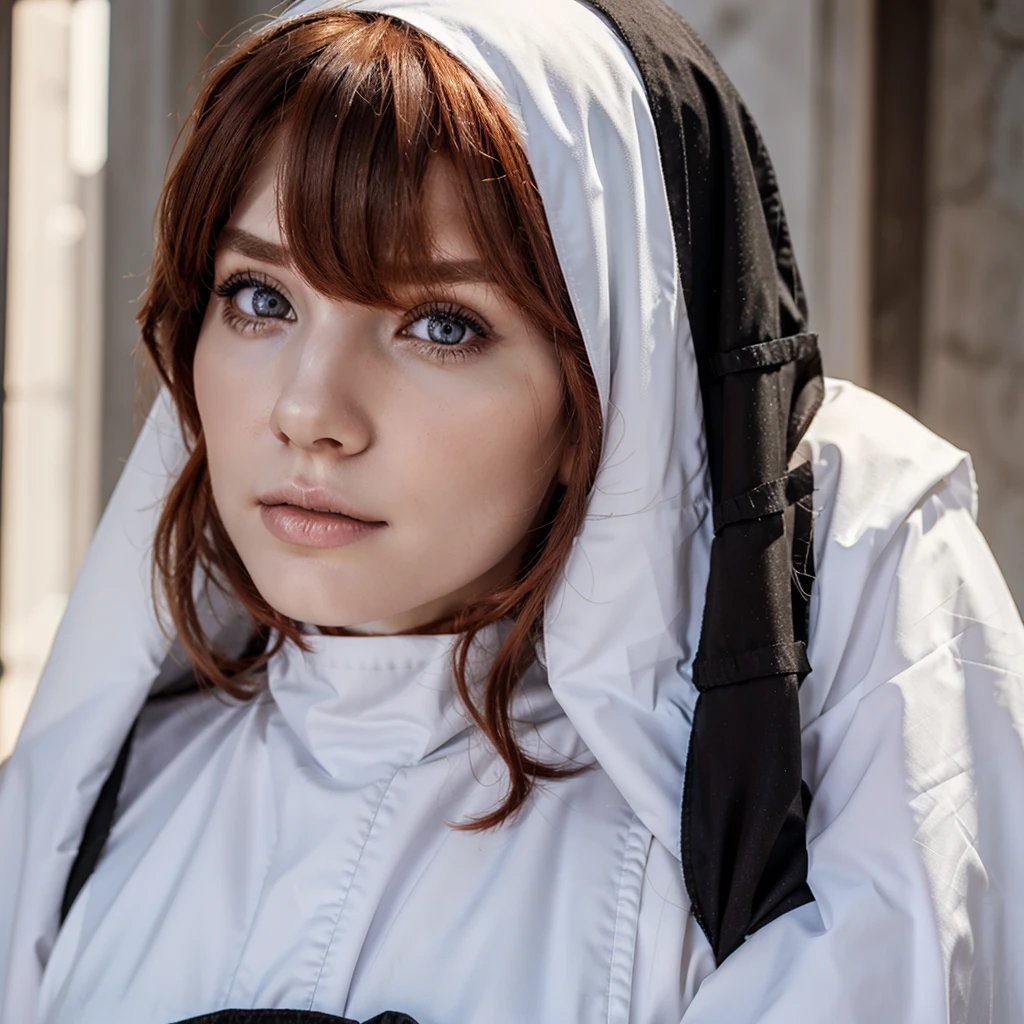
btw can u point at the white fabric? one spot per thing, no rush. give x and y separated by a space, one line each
913 715
347 890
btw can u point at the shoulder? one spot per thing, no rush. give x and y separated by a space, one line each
873 464
913 746
902 569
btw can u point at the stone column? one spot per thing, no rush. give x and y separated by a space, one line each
973 381
44 327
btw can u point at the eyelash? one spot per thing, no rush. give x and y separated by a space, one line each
237 282
458 314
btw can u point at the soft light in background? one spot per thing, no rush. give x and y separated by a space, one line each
896 126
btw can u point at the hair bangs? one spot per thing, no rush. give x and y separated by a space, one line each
371 115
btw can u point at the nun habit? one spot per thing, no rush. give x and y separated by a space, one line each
780 638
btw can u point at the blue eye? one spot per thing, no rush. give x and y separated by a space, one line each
447 326
255 298
445 330
262 301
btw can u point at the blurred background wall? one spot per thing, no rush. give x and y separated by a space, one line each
896 126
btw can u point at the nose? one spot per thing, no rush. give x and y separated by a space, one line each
323 403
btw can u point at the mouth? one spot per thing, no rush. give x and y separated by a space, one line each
314 499
313 517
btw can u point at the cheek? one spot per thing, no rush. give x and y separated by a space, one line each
228 398
208 380
488 458
215 399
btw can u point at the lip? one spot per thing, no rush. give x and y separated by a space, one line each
313 517
314 499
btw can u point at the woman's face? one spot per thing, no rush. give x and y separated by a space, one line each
374 469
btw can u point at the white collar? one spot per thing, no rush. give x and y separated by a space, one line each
364 705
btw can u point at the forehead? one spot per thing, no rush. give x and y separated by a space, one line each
256 212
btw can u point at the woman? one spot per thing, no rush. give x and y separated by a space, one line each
482 491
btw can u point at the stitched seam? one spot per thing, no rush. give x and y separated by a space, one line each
615 928
780 659
348 889
620 974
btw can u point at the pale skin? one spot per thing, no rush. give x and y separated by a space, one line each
449 443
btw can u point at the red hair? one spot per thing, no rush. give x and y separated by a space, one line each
362 103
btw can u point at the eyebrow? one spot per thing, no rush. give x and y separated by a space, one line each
244 243
255 248
462 272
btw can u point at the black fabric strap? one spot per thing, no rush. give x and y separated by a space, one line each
766 499
290 1017
97 828
769 354
776 660
742 821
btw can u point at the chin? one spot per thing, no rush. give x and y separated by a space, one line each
306 593
304 607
